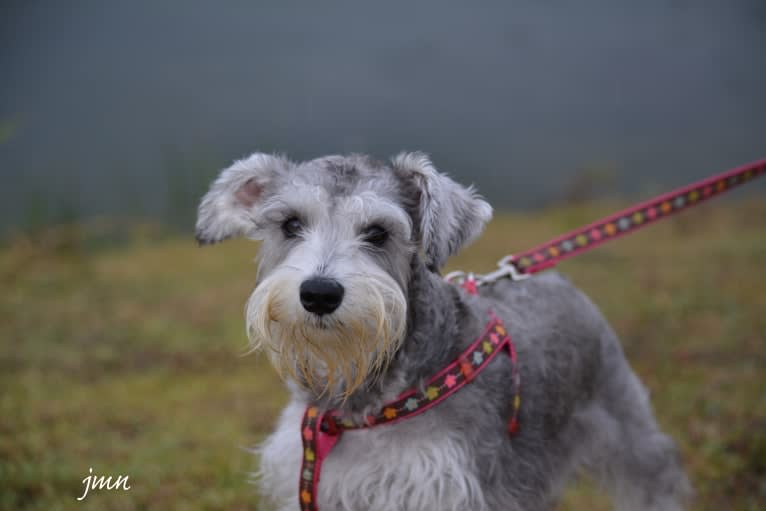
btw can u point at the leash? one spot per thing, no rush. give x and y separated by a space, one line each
623 222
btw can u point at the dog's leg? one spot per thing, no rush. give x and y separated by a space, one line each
623 447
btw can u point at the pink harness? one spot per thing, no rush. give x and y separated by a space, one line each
321 431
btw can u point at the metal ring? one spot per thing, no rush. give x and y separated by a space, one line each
452 276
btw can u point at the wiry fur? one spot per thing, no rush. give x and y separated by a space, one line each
340 355
583 409
450 215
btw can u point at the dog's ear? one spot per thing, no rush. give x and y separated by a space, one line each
228 209
448 216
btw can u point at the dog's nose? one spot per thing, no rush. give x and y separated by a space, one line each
321 295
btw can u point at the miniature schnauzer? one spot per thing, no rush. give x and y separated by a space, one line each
351 309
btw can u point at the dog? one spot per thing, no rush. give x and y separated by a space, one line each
350 308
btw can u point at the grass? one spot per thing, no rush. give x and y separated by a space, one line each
126 359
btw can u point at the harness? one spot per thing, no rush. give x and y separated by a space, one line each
321 431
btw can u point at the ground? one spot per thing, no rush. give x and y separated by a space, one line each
128 358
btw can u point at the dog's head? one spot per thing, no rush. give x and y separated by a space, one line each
339 237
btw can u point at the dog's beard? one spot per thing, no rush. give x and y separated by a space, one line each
332 354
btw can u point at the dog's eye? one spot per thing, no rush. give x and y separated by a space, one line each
291 227
375 235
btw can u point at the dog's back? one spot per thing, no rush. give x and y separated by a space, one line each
585 409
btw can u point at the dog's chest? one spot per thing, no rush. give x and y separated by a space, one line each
412 465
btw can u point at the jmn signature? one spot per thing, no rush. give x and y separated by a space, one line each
95 482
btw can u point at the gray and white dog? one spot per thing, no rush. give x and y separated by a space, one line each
351 309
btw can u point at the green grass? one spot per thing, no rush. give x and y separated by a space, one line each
128 360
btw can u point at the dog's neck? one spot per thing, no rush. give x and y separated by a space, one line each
434 306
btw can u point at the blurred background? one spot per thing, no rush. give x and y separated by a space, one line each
120 340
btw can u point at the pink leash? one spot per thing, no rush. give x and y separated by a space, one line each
628 220
633 218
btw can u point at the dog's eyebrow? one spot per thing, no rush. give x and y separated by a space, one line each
303 201
370 208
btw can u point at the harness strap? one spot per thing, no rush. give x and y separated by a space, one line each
469 284
316 446
321 431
